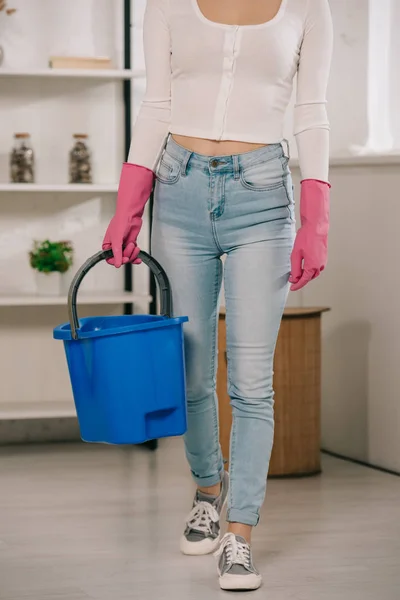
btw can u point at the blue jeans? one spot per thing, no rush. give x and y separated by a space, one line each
240 207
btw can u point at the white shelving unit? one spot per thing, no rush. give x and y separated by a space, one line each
94 188
102 298
107 74
52 105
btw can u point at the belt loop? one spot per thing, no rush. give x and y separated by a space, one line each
236 166
163 151
185 161
287 149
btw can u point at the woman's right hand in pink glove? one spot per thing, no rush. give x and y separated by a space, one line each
121 239
135 187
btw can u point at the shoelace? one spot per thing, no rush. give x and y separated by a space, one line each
202 515
236 552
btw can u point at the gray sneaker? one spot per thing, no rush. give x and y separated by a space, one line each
203 533
235 565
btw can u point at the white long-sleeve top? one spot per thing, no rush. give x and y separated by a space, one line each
228 82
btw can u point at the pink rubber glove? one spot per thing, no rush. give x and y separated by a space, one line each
310 251
135 186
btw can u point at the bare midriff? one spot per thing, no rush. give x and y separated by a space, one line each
214 147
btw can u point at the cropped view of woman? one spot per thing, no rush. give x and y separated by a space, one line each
209 136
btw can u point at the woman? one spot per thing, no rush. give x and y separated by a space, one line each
219 80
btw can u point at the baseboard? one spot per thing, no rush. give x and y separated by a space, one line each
66 429
40 430
45 431
360 462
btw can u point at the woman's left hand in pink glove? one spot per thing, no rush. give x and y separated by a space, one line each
310 251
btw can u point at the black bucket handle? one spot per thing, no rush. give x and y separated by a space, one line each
154 266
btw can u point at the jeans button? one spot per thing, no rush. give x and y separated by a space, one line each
214 163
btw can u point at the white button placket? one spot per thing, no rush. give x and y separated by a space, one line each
232 41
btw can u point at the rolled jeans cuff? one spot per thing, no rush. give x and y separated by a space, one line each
208 481
242 516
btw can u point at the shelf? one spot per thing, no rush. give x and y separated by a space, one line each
10 411
86 188
107 74
366 160
100 298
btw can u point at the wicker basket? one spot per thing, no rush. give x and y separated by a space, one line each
297 384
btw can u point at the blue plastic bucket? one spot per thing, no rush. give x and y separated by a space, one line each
127 372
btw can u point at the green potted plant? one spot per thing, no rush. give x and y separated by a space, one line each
50 260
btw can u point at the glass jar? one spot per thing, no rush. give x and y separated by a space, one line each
22 159
80 165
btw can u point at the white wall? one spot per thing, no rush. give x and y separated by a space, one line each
361 379
42 28
365 54
361 334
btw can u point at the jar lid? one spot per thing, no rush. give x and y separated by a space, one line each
81 135
22 135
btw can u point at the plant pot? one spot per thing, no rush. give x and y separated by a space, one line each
48 284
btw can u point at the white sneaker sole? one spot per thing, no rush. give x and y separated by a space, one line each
240 582
207 546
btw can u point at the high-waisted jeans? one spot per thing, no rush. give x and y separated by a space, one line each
240 207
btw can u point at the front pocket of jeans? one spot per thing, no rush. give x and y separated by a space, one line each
264 176
272 204
169 170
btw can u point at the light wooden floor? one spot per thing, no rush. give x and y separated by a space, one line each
82 522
